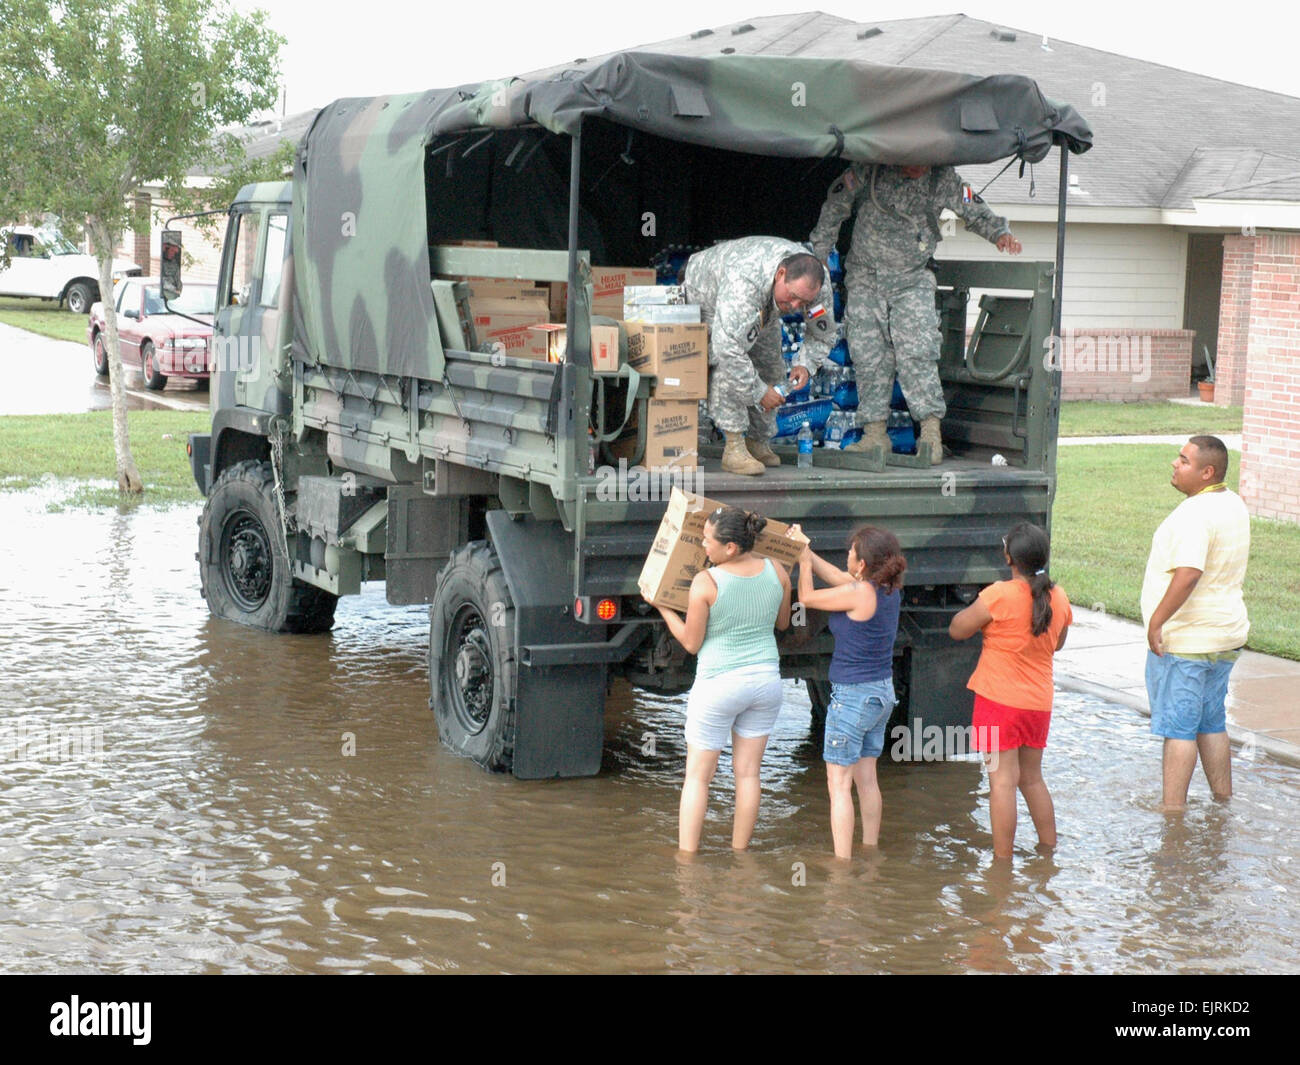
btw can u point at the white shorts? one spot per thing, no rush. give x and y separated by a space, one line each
745 701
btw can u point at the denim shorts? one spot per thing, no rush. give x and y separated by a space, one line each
856 719
1187 695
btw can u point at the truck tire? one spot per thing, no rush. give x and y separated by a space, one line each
100 353
472 657
244 572
153 380
79 297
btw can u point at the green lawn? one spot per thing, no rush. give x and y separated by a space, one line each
1090 418
79 448
1109 500
44 317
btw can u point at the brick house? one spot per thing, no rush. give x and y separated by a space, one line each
205 251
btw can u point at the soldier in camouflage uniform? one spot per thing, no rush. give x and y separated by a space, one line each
890 321
743 288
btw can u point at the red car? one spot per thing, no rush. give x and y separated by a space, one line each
162 344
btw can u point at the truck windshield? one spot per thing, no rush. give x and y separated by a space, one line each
56 243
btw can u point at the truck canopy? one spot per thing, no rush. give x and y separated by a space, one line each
675 150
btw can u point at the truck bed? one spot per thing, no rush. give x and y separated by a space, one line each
950 518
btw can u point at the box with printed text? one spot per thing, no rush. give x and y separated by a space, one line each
677 553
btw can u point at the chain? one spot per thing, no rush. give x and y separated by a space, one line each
446 384
277 465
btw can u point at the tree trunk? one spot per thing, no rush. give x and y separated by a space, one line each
128 477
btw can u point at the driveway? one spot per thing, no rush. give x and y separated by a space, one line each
45 376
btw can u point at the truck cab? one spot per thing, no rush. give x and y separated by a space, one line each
46 265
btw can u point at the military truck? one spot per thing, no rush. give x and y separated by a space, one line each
359 432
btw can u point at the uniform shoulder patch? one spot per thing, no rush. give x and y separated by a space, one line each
752 335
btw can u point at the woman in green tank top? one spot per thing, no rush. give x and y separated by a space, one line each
730 616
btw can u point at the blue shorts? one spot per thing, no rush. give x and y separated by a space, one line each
856 719
1187 695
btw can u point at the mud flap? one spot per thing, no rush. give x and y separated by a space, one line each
939 705
559 709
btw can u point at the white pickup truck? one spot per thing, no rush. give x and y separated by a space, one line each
46 265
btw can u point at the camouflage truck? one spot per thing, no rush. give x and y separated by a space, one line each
359 433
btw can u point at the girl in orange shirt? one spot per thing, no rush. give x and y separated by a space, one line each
1024 621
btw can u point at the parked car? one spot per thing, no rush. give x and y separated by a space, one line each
46 265
161 343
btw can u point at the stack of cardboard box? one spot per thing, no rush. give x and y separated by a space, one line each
664 338
678 357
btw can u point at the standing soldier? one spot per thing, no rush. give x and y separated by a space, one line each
890 322
743 287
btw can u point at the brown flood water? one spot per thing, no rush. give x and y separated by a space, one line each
223 828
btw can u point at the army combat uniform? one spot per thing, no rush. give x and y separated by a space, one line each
890 320
732 283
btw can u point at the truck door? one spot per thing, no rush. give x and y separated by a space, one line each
28 267
248 340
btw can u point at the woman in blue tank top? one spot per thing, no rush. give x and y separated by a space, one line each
863 602
730 616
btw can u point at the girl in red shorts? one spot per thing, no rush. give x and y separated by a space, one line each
1024 621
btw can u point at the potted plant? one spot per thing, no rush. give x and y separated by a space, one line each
1206 386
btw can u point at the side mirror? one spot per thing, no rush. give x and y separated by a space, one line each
169 266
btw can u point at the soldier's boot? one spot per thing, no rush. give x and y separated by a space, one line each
873 434
930 435
762 451
736 459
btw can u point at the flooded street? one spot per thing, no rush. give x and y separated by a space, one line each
207 813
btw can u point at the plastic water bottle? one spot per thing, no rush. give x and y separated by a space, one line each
836 267
805 441
836 425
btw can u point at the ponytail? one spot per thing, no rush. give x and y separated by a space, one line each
880 550
1028 547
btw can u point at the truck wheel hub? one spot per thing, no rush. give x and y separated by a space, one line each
473 666
248 554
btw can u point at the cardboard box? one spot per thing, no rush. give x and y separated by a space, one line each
678 355
508 323
677 554
604 344
506 290
604 348
607 283
652 296
664 313
671 438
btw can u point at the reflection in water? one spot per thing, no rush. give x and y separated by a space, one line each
282 804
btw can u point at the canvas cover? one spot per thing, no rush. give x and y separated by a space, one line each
360 229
